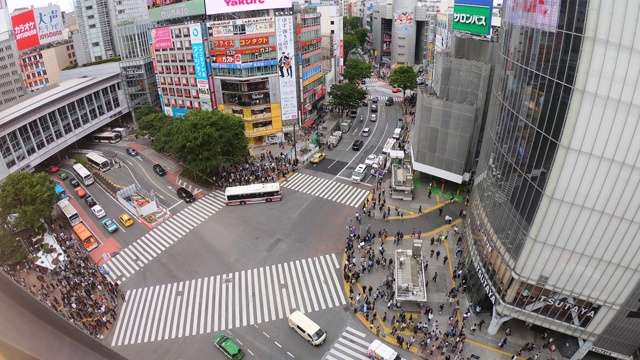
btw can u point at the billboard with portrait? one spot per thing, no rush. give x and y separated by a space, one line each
286 67
37 26
174 9
535 14
230 6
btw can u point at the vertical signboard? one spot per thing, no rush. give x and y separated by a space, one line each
200 66
25 30
286 67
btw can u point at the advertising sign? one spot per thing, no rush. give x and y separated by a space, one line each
254 41
263 49
200 66
472 19
286 68
244 65
536 14
474 2
227 59
403 21
37 26
251 26
230 6
174 9
161 38
224 43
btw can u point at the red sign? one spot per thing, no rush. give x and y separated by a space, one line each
228 59
256 41
224 43
25 30
317 40
341 50
263 49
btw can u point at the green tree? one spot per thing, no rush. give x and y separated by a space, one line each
31 197
206 140
147 109
361 34
357 70
347 96
350 43
351 23
405 78
152 124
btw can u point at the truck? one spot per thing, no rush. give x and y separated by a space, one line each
379 351
354 114
346 125
334 139
378 166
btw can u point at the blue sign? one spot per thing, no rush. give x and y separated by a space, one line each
244 66
197 49
488 3
178 112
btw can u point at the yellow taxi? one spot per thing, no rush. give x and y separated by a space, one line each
126 220
318 157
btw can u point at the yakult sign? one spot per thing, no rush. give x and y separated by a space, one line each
230 6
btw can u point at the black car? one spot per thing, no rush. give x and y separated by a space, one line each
74 183
158 169
357 145
91 202
389 101
132 152
185 195
374 108
363 82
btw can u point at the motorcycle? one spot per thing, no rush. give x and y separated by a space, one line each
361 118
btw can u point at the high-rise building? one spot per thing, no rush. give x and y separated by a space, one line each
313 79
5 20
552 234
95 30
331 28
11 84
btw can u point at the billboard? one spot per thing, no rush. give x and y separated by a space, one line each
161 38
534 14
37 26
474 2
286 67
230 6
252 26
174 9
200 65
472 19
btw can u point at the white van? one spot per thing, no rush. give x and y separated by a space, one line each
366 132
396 133
309 330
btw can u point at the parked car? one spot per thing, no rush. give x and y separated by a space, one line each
98 211
126 220
185 195
158 169
109 225
370 159
91 202
74 183
132 152
81 192
52 169
228 347
357 145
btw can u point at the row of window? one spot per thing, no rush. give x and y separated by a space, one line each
181 91
312 59
176 69
36 74
183 104
309 35
313 85
49 128
175 57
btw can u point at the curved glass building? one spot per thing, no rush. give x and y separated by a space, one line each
552 233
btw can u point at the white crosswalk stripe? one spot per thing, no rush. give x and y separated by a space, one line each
326 189
349 346
145 249
229 301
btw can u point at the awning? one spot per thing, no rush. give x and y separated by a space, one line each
308 123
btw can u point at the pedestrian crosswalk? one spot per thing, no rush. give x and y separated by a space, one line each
145 249
351 345
229 301
384 98
327 189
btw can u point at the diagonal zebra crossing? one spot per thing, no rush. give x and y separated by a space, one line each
351 345
145 249
327 189
229 301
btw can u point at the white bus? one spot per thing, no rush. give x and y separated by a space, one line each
83 174
248 194
69 212
110 137
97 161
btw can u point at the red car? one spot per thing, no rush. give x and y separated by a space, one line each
53 169
396 90
81 192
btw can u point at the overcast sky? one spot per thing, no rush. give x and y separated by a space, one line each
65 5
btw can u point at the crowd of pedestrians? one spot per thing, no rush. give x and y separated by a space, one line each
75 289
266 169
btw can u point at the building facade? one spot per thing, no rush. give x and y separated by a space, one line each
96 33
331 28
11 83
552 231
42 66
311 75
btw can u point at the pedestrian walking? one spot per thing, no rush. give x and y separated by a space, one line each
420 209
435 277
445 260
440 212
441 308
480 325
438 255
